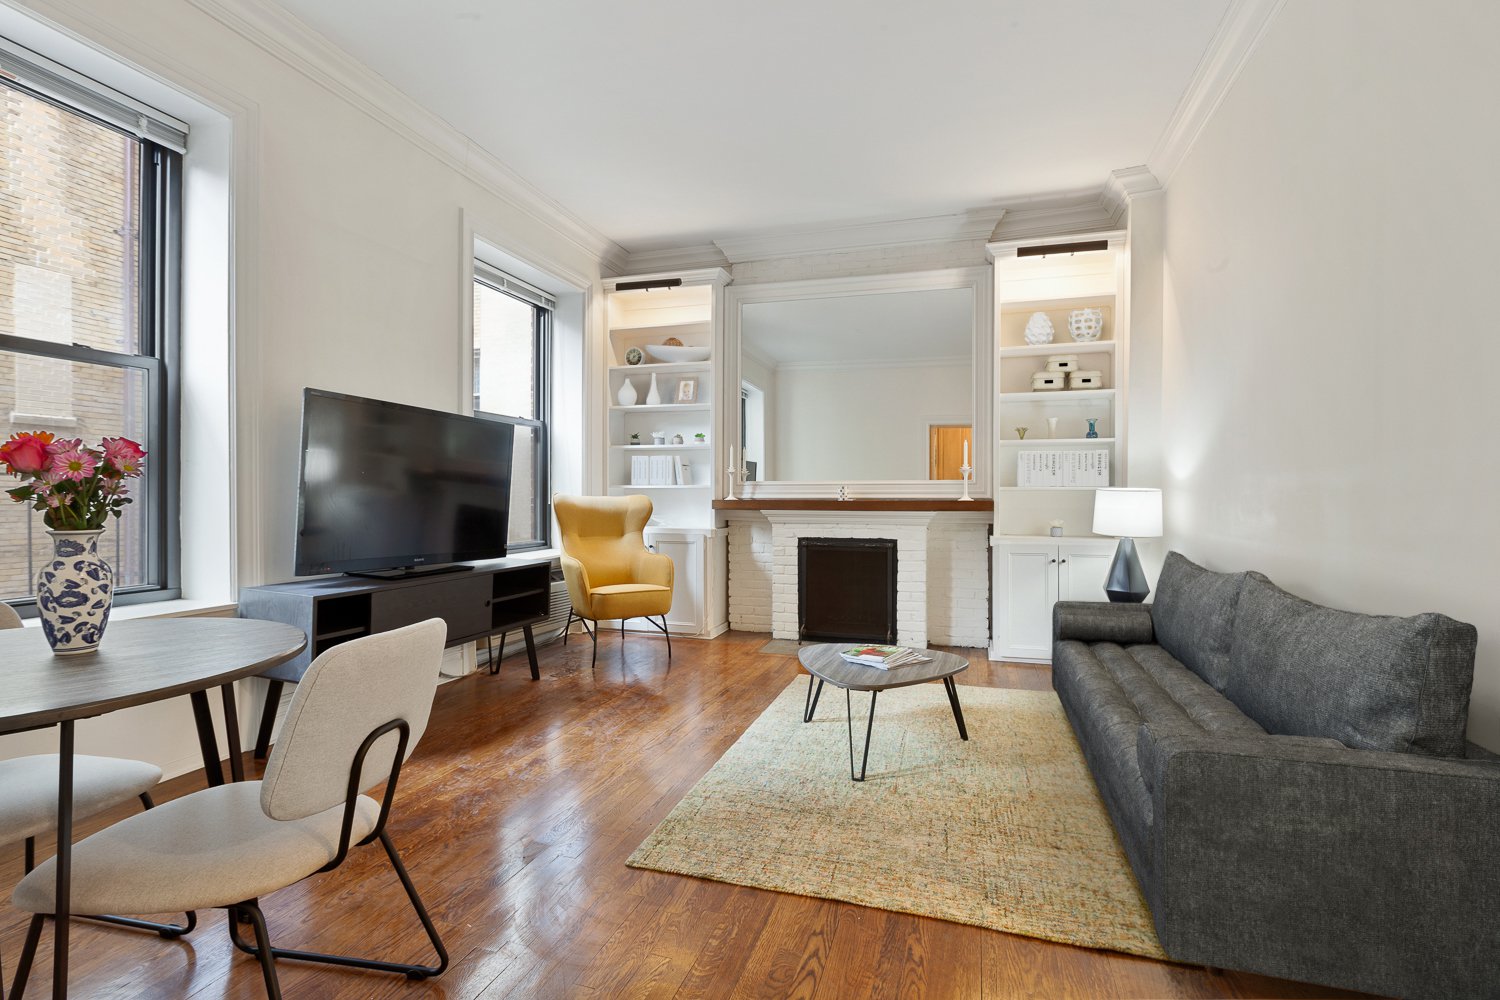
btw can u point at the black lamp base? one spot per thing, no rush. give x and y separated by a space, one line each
1126 583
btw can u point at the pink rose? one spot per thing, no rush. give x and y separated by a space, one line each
26 454
124 454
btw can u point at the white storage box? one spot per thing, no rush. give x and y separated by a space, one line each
1062 363
1048 381
1086 380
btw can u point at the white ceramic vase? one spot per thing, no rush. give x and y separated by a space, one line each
74 593
627 394
1039 329
653 396
1086 324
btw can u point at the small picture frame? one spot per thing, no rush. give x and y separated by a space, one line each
687 390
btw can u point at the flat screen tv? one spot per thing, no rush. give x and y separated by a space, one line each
387 488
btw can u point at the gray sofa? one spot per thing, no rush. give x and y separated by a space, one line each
1291 783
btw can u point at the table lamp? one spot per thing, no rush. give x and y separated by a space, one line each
1127 514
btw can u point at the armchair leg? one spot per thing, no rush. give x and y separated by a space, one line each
568 627
264 951
663 626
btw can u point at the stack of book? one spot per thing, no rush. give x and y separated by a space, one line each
884 657
659 470
1062 468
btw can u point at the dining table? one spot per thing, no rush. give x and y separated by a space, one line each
139 661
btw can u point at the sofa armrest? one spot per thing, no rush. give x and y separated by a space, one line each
1366 870
1102 621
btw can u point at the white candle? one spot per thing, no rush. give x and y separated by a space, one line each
966 452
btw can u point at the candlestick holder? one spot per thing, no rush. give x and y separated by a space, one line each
730 471
967 471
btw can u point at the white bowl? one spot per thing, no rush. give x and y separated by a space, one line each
677 355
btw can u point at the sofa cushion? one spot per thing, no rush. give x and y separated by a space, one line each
1193 615
1373 682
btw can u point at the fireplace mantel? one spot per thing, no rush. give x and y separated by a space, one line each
893 505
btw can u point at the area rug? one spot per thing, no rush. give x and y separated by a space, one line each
780 647
1005 831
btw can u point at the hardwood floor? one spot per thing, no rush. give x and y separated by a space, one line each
515 818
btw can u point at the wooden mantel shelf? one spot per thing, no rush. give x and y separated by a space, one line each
810 503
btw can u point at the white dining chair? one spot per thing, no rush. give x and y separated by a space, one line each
28 800
356 716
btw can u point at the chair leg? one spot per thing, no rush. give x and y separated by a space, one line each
568 627
264 951
594 635
668 635
28 952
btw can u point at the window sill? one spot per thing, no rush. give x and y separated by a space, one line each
158 609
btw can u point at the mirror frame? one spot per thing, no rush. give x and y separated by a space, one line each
980 283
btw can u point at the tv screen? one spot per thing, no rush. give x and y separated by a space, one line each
386 486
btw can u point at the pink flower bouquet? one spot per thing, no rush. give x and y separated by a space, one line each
76 488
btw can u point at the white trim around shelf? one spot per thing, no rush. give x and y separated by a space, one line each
1051 489
1070 347
1060 304
661 407
1022 442
665 447
616 490
664 368
1056 395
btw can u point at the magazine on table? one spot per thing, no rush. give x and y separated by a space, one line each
884 657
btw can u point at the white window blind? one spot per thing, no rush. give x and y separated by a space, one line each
64 86
502 282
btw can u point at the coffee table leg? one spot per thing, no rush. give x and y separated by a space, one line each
869 727
958 713
810 703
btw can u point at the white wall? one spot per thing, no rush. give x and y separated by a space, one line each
864 422
1330 339
348 255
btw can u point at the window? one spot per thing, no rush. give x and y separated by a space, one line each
512 355
89 262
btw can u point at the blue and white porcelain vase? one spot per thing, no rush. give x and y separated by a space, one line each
74 592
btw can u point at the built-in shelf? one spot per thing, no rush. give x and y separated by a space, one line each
1062 347
663 368
1059 304
1014 442
1050 489
1056 395
649 323
658 447
661 408
626 489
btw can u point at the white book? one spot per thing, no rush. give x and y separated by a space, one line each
640 471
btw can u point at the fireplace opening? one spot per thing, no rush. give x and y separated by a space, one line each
846 589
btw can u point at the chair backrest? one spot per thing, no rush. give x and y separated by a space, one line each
347 693
603 533
8 617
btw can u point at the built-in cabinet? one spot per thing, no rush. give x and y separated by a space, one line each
682 310
1031 575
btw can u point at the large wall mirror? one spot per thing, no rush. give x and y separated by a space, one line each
880 382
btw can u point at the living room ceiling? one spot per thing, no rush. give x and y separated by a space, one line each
676 122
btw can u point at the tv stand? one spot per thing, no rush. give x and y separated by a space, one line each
409 572
475 600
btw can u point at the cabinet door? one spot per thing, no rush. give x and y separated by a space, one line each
686 553
1082 570
1025 590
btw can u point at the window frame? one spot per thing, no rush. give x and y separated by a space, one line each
159 295
541 374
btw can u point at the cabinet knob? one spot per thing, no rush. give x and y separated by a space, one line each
1064 562
1054 562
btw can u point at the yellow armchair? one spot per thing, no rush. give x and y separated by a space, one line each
610 572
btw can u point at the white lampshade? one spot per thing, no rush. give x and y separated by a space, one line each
1127 513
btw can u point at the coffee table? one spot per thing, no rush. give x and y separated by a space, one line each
825 664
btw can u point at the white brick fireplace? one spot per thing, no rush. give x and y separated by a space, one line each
942 570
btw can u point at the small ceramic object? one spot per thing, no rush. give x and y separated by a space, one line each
635 439
653 396
74 593
1039 329
1021 433
634 356
658 437
677 439
1052 427
1086 324
1056 531
1093 427
700 438
627 395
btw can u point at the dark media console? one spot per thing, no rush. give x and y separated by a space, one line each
497 596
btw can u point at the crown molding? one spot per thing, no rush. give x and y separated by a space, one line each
276 31
674 259
800 241
1238 34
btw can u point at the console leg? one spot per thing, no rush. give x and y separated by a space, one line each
536 674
